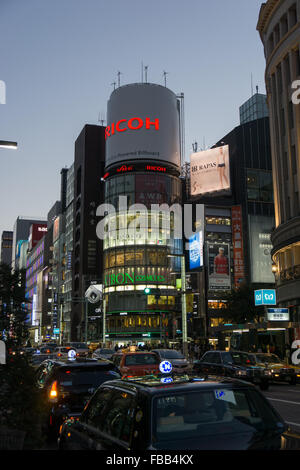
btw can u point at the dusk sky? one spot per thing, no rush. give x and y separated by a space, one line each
59 59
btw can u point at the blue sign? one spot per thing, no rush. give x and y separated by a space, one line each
166 380
56 331
196 250
165 367
265 297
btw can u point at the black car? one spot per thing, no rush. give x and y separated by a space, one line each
235 364
68 385
175 413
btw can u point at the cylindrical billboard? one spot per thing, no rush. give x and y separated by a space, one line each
142 124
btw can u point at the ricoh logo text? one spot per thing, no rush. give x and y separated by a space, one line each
2 92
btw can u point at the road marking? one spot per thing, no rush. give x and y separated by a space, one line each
284 401
293 424
295 391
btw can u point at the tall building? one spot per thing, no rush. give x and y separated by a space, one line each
279 29
21 232
6 247
87 247
238 217
142 168
254 108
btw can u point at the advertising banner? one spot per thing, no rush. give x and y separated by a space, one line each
219 266
196 250
237 242
210 171
265 297
142 124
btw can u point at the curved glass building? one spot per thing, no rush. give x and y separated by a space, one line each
142 223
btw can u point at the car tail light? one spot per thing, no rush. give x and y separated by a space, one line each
59 354
53 391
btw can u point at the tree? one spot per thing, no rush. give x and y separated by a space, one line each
240 306
21 407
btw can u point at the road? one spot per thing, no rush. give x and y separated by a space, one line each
285 399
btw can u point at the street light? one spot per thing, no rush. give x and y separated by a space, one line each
6 144
183 304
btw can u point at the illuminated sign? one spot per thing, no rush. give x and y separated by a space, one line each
265 297
196 250
124 168
238 246
165 367
156 168
121 278
134 123
278 314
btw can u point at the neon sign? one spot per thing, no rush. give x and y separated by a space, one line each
121 278
134 123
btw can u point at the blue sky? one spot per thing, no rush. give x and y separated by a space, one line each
59 58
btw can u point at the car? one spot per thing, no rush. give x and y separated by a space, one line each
67 385
175 413
233 364
103 353
133 363
280 372
178 361
81 348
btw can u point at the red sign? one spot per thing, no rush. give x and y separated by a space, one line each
134 123
37 231
238 248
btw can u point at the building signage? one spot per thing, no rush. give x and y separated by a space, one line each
196 250
265 297
210 171
278 314
143 124
134 123
126 278
219 266
238 248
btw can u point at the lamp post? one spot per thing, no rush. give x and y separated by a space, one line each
6 144
183 304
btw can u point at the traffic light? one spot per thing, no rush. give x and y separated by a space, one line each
155 292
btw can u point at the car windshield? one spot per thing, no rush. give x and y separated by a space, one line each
85 376
212 414
269 358
141 360
78 345
171 354
242 359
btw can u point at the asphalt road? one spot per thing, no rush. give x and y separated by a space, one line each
285 399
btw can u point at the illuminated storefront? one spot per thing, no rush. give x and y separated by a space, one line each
142 168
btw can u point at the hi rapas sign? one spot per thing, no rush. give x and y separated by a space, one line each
134 123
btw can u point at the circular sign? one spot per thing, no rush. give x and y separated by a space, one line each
165 367
72 354
166 380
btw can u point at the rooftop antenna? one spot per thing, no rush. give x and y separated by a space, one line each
119 74
256 88
101 118
165 77
251 84
146 70
114 84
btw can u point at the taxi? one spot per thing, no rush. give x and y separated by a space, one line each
131 362
280 372
175 412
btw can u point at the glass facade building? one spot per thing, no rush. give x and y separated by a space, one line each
254 108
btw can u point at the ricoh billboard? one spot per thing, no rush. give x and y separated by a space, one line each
142 124
210 172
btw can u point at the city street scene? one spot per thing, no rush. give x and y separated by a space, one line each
151 306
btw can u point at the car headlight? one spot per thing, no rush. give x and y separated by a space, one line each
241 373
267 372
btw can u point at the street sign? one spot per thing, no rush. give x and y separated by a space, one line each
278 314
265 297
